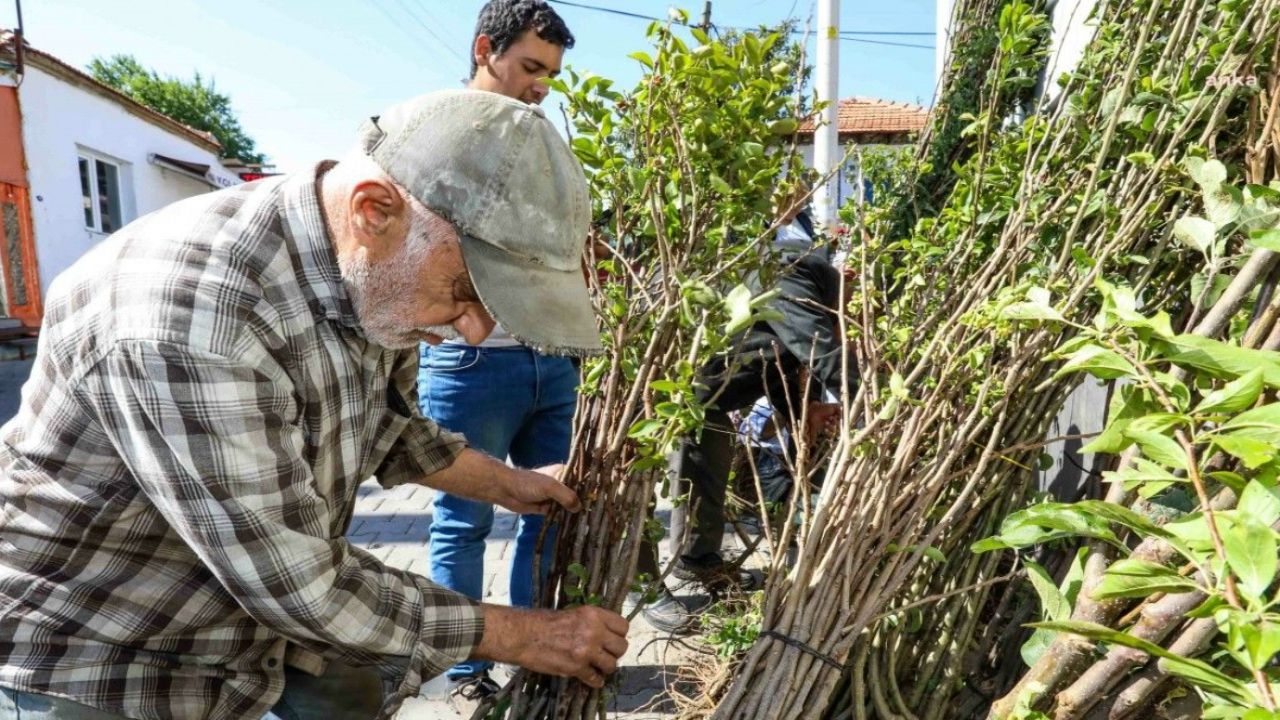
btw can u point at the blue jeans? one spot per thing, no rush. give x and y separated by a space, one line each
507 401
344 692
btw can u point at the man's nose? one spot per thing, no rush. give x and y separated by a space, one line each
475 324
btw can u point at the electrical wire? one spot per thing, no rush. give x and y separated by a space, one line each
399 25
443 43
846 35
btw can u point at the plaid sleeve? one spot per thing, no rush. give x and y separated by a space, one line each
424 448
213 444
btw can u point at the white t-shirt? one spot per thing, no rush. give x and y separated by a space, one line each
498 338
792 237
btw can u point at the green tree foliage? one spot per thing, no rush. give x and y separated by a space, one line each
193 102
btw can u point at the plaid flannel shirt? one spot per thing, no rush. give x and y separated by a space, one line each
175 489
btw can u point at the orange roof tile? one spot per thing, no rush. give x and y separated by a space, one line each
863 117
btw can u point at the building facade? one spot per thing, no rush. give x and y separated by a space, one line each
864 123
79 160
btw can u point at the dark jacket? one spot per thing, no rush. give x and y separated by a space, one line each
809 297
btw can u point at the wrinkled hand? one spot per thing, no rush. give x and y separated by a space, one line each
821 420
584 642
535 492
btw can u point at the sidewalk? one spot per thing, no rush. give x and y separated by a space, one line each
393 524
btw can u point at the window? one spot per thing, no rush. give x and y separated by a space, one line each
100 190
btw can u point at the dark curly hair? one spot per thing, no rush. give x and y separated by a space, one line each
504 21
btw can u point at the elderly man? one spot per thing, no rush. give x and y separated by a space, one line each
213 383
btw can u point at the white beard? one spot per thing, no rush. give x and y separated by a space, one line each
382 295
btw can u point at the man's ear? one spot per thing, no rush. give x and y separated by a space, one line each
378 213
481 49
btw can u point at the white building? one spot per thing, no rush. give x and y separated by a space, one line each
865 123
78 160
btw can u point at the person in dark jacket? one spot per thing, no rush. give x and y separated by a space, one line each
793 361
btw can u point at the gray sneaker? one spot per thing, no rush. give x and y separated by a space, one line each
670 615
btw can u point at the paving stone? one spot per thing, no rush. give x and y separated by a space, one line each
402 556
388 528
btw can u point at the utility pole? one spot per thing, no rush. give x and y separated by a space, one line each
706 17
826 139
18 41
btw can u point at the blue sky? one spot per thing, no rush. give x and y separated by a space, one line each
303 73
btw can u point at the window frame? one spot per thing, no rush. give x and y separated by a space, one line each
91 160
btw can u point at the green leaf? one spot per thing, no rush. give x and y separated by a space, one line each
928 551
1053 606
1233 480
1123 516
1251 553
1222 205
1195 232
1141 158
1131 578
1038 306
665 386
1161 448
1197 672
989 544
785 126
643 58
1266 239
1044 522
738 303
1193 532
1235 395
1261 640
1142 473
1208 174
645 428
1266 418
1221 360
1159 422
745 310
1030 311
1260 502
1253 453
1097 361
897 386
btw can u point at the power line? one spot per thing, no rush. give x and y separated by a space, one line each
443 43
399 26
886 42
885 32
846 35
611 11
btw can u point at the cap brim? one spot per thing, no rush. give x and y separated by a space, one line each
546 309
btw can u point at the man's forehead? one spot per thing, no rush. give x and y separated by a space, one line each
531 47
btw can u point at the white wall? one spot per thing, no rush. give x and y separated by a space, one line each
845 188
59 120
1070 37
